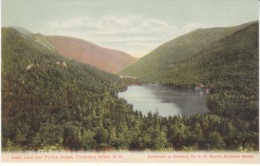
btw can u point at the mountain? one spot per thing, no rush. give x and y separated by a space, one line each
157 65
50 103
83 51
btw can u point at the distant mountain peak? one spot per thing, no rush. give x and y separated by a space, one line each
86 52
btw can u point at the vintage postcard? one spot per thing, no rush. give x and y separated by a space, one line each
130 81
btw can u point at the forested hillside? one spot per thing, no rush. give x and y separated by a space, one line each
46 98
158 65
52 103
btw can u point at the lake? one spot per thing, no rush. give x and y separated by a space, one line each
167 101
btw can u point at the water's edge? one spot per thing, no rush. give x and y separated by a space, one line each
165 100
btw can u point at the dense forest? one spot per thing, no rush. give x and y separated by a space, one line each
52 103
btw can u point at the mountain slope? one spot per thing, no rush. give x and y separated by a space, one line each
86 52
152 67
50 102
232 55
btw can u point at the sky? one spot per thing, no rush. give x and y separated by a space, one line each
133 26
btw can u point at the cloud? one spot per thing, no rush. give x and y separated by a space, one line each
121 32
111 25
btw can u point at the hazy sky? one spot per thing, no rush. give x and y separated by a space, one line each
133 26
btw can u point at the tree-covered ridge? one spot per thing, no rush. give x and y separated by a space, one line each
51 103
154 66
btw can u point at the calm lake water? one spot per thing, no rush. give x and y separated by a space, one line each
166 100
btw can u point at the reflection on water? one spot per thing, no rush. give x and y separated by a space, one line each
167 101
